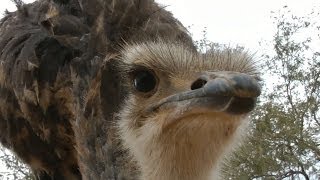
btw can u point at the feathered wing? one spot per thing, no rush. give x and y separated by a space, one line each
58 94
35 98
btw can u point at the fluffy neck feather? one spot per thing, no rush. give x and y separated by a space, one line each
187 151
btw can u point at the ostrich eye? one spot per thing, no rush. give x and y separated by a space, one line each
144 81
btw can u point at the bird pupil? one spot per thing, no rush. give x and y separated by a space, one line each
144 81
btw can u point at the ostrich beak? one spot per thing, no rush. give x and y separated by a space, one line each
230 92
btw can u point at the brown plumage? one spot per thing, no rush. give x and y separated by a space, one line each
114 89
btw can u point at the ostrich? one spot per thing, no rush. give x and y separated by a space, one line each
115 89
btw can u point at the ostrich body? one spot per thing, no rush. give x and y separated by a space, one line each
108 89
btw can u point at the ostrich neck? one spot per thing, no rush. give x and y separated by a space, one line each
182 161
189 155
188 150
187 169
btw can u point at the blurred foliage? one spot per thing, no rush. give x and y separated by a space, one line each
15 169
284 142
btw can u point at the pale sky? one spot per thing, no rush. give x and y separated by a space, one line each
243 22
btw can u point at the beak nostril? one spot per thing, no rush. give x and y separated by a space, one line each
199 83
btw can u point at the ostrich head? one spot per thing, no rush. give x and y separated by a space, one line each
183 110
